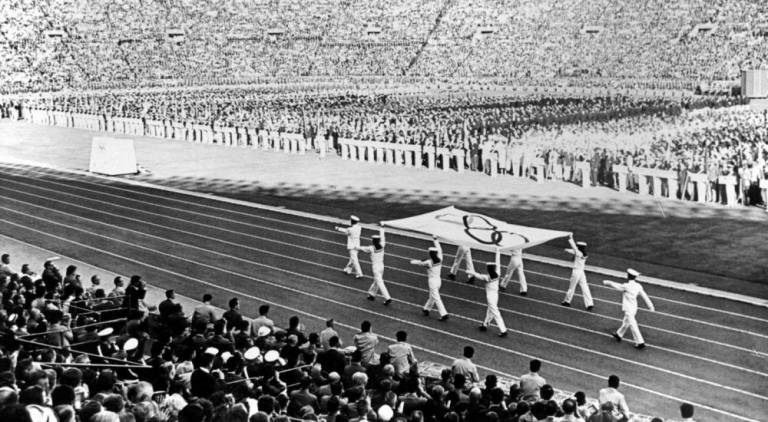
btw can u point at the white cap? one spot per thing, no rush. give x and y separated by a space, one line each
12 318
252 354
581 243
273 356
385 413
130 344
212 351
106 332
354 218
225 356
632 272
263 331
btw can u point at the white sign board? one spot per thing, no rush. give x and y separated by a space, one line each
112 156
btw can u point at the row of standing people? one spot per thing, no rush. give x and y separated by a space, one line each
492 279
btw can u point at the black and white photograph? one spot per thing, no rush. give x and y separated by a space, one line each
375 211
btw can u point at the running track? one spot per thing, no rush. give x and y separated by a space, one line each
704 350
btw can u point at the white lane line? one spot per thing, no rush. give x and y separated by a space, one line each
244 246
366 310
687 287
235 273
244 233
317 217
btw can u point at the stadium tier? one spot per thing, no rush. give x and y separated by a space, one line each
56 43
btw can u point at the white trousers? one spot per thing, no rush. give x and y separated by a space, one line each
434 299
378 284
463 255
630 323
353 264
515 264
492 313
579 278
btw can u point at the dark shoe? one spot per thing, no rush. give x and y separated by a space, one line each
471 280
617 337
589 308
566 304
640 346
482 328
451 276
503 288
504 334
387 302
444 317
425 312
359 276
371 298
523 293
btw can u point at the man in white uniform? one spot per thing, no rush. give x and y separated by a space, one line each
578 277
630 290
463 253
433 265
515 264
491 281
377 265
353 242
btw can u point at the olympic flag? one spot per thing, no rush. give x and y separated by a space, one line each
475 230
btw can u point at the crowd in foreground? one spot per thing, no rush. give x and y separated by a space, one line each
92 353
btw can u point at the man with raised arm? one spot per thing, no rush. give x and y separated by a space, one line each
377 265
353 241
491 281
578 276
434 265
630 291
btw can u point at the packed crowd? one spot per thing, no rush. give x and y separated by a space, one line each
712 135
97 354
56 43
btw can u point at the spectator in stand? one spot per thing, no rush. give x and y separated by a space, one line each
205 312
686 412
365 342
612 395
465 366
531 383
261 321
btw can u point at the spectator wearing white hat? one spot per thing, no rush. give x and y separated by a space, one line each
353 242
491 281
578 276
433 265
630 291
463 253
377 267
515 264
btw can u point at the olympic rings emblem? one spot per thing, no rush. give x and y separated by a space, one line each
479 228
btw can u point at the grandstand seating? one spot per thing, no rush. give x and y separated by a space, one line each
57 43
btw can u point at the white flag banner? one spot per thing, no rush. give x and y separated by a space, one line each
475 230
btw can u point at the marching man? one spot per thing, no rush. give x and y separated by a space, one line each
579 252
491 281
353 242
630 290
463 253
377 265
434 265
515 264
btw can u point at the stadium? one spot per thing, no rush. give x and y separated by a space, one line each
335 210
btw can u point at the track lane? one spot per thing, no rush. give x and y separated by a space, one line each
549 293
